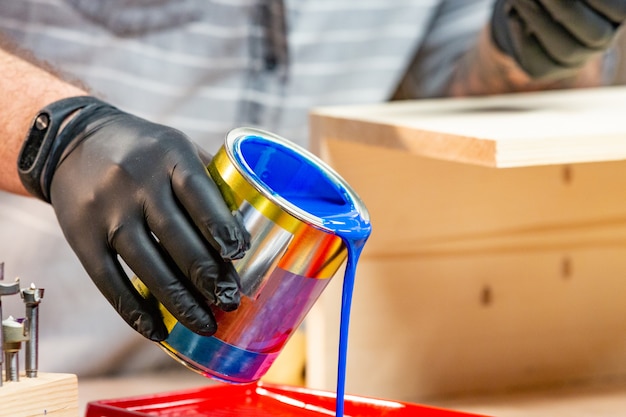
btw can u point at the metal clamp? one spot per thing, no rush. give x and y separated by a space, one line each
15 331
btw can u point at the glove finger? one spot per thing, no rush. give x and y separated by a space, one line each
200 263
585 24
228 287
160 275
203 201
615 10
140 313
527 51
554 40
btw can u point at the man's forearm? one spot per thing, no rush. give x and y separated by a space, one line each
24 90
486 70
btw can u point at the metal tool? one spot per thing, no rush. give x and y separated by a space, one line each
14 335
32 297
5 289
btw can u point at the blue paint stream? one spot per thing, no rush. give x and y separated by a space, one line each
331 203
310 189
354 240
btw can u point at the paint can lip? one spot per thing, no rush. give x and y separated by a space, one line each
235 136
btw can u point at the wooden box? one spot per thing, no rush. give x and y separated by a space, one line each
498 254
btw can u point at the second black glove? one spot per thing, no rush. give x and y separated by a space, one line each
554 38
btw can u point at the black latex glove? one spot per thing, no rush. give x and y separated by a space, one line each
554 38
121 185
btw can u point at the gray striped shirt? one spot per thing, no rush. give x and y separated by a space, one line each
205 67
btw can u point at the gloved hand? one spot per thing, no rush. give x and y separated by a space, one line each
121 185
554 38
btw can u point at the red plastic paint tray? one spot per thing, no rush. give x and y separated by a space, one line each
258 400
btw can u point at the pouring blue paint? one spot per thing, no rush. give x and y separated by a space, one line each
355 246
354 230
339 209
304 221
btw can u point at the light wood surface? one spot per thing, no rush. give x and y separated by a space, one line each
47 395
499 131
498 251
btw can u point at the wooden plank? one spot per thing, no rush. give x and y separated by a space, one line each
47 395
524 129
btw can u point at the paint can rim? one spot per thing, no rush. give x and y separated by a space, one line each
232 141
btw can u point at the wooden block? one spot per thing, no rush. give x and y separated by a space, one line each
496 259
47 395
556 127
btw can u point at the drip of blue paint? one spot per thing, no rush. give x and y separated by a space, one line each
355 246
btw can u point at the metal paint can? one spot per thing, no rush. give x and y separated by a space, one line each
293 254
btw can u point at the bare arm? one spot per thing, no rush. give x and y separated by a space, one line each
486 70
24 90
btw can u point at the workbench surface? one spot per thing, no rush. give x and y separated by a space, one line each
607 400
